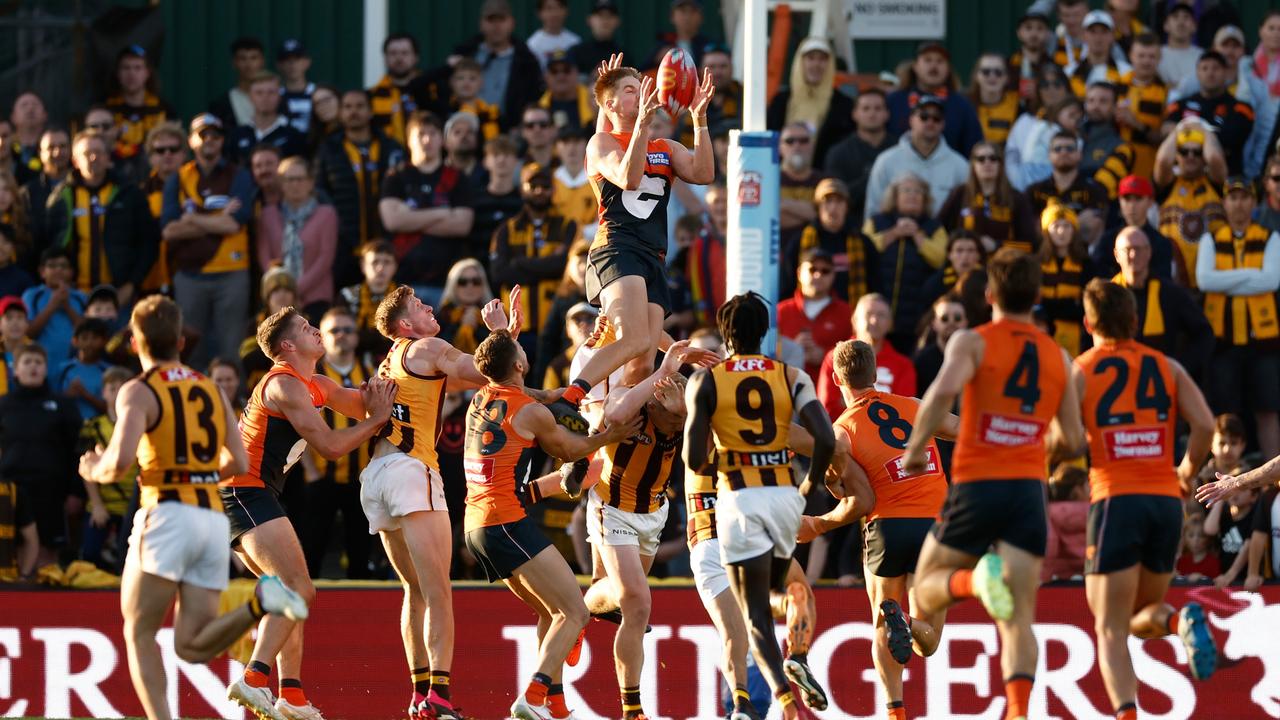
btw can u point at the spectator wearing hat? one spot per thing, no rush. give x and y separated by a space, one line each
1169 319
911 245
810 97
1035 48
268 126
1230 118
234 108
851 159
930 75
403 90
921 152
117 240
814 317
686 34
1143 96
1238 270
293 62
1070 186
512 74
798 181
204 222
300 234
1136 198
531 250
1099 63
988 207
1189 169
1065 269
552 38
601 44
464 96
13 335
135 102
462 147
570 102
852 256
1179 55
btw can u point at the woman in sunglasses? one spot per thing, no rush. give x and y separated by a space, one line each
1052 87
987 206
998 106
466 290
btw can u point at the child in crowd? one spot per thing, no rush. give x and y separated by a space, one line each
1231 523
1197 559
378 264
13 335
1068 522
55 306
226 375
464 88
572 196
108 502
1227 449
13 279
80 379
104 305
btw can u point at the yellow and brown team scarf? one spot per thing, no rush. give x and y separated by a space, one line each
86 219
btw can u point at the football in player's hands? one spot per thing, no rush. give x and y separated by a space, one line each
677 81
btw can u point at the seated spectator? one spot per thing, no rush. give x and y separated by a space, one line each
13 279
378 265
466 291
554 338
988 207
814 317
301 236
269 126
13 215
1022 165
810 97
1189 173
996 102
226 375
1197 558
1066 269
964 253
948 316
850 160
922 152
55 306
852 256
1068 515
930 75
872 323
108 502
911 246
80 379
38 435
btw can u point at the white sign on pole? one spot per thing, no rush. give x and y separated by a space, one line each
898 20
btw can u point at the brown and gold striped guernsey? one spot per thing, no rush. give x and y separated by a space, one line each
416 418
180 453
700 507
637 470
750 425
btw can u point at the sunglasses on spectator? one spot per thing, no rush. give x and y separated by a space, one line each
820 270
1052 84
537 124
930 117
795 141
991 71
986 158
1063 148
166 149
470 282
1190 152
1274 178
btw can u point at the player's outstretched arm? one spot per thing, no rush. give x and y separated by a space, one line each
136 410
700 398
697 167
342 400
621 166
814 418
621 407
1066 432
289 397
1195 411
536 421
1213 493
235 459
959 363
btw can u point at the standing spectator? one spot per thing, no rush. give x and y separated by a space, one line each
1179 56
207 208
988 206
706 259
13 279
912 244
1197 561
100 120
531 250
851 159
55 162
570 102
930 75
166 147
333 485
55 307
268 126
997 104
686 34
80 378
464 96
293 62
234 107
1167 317
500 198
554 338
603 22
108 502
1266 59
948 317
1099 63
1036 162
425 207
1189 171
1124 13
13 213
572 195
378 267
326 114
38 434
1071 187
512 74
1143 96
1068 516
402 90
104 224
1268 213
1238 270
351 168
872 323
1230 118
1035 49
1070 32
1065 269
1246 87
1022 164
1107 158
1136 200
552 37
538 131
135 103
301 235
811 98
798 180
964 253
462 147
852 255
264 165
920 152
814 317
725 107
27 119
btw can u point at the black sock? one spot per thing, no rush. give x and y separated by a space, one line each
421 681
631 701
802 658
261 667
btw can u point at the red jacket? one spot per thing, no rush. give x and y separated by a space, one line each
1065 548
894 373
831 326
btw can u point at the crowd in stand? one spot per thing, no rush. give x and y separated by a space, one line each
1139 149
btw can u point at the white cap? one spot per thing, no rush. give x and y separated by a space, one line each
1098 17
810 44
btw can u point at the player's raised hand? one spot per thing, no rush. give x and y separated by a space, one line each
379 395
517 312
613 63
649 103
674 358
1217 491
702 97
89 463
702 358
494 314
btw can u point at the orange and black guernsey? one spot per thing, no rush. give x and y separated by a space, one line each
415 420
751 423
496 458
270 439
345 469
637 470
636 218
1130 397
180 454
1007 406
878 425
700 507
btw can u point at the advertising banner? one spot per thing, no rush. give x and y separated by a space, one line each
753 248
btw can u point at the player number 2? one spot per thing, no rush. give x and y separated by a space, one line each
1024 382
760 411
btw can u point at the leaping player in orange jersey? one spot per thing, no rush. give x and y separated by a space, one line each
1017 401
503 424
1131 398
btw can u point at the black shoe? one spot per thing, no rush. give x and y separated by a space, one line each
899 631
572 475
615 617
798 672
